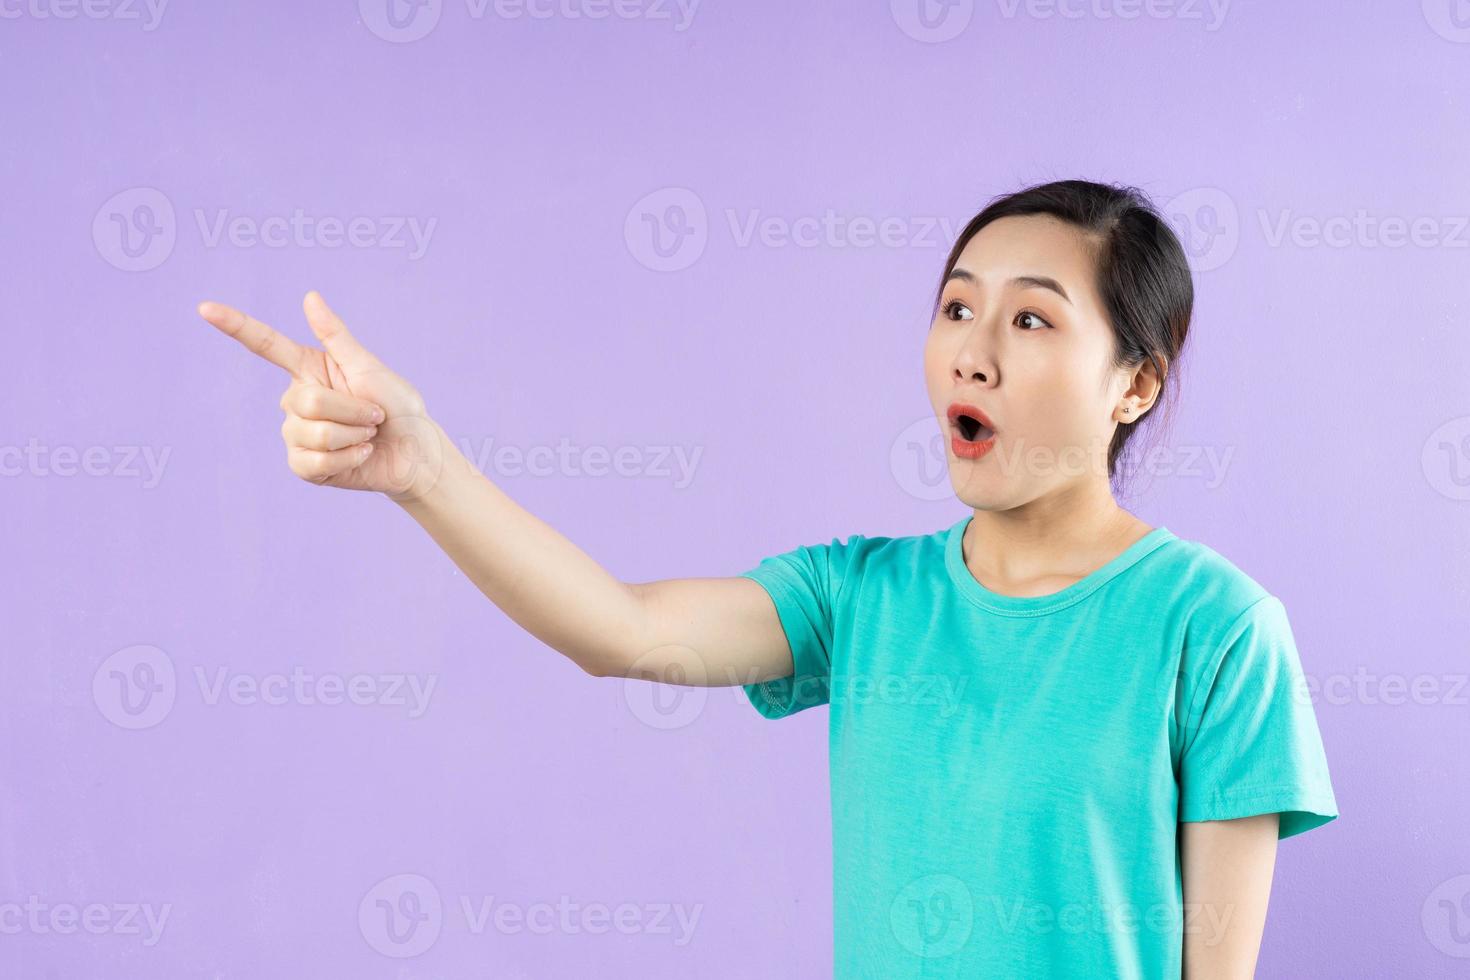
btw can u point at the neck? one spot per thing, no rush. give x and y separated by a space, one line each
1062 536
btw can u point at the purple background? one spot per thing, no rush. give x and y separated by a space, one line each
1332 373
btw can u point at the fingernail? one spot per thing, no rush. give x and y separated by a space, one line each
377 414
367 447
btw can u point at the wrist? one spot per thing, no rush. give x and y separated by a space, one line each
432 464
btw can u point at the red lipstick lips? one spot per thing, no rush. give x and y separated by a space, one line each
971 433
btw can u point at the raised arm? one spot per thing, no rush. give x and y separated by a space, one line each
695 631
353 423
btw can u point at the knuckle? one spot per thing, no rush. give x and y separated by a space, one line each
315 400
320 435
311 466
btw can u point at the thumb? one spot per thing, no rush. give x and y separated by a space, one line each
333 334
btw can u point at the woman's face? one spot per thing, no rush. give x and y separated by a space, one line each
1021 334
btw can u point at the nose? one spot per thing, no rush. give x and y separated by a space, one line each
975 362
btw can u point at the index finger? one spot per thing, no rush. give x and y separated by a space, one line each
275 347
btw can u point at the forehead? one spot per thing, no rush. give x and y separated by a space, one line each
1031 245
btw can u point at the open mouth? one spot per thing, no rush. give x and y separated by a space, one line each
972 429
970 424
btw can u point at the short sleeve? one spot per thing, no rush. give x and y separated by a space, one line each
802 585
1252 745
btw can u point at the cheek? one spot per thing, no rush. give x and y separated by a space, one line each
1061 404
936 362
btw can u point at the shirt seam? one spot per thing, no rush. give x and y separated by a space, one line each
770 698
1212 667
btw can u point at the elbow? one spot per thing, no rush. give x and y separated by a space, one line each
600 665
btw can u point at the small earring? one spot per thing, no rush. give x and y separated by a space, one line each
1126 409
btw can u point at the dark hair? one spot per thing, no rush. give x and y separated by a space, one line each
1142 272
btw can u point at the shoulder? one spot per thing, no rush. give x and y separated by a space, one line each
1203 577
846 560
859 552
1211 600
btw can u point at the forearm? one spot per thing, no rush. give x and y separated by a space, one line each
541 580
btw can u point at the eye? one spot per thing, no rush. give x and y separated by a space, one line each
1021 319
950 307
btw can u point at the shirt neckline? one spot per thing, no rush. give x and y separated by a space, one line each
1040 605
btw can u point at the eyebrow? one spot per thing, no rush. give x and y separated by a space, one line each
1025 282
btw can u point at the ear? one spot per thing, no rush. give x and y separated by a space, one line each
1144 387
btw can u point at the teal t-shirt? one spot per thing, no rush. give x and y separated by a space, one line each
1008 773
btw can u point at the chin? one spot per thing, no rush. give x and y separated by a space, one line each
979 497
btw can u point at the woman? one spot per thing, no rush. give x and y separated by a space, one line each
1063 742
